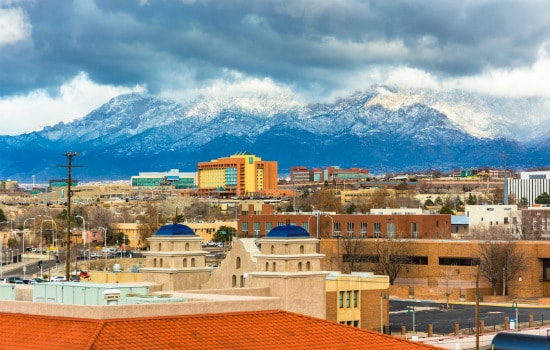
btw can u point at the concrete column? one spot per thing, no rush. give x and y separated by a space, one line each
531 320
430 330
506 323
403 330
481 327
457 326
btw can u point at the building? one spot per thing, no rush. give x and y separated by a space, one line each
135 327
529 186
360 299
176 260
486 218
161 180
242 174
257 220
440 267
301 175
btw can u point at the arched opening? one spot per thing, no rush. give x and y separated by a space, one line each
300 266
308 266
192 262
160 247
272 249
155 262
160 262
186 247
267 266
301 249
238 263
233 281
274 267
242 281
184 262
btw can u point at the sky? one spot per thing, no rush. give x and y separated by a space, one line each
59 60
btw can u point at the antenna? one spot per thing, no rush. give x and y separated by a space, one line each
69 167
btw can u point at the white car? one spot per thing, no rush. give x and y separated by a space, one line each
58 279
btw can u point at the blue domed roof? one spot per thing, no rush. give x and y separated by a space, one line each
287 231
175 230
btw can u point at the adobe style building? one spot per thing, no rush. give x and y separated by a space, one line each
257 220
438 267
176 260
242 174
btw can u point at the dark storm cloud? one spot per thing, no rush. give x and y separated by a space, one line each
295 42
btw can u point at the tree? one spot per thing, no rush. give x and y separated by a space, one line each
351 208
326 200
499 262
354 253
2 216
450 276
543 198
224 234
472 199
390 256
446 210
524 203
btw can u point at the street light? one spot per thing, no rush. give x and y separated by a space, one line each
84 237
23 235
41 239
104 244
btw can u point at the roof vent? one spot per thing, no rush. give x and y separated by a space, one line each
111 296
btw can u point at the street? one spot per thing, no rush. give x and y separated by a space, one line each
427 312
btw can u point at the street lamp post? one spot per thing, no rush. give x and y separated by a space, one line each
41 238
23 235
104 245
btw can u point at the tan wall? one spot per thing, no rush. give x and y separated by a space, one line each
434 275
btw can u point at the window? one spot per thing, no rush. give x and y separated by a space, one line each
301 249
355 297
300 266
268 226
341 299
448 261
184 262
305 226
348 298
377 230
256 229
238 263
308 266
336 231
350 228
186 246
244 213
245 227
233 281
414 229
363 228
391 229
192 262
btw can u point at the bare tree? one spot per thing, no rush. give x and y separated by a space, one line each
390 256
499 262
354 254
447 288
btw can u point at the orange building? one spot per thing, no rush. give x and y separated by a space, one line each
242 175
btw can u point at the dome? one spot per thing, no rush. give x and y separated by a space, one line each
287 231
175 230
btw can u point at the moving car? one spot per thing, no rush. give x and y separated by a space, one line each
58 279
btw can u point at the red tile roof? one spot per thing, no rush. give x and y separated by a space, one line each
245 330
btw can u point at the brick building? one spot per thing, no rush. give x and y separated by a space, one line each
257 220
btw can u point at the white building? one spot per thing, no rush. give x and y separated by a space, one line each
504 218
530 185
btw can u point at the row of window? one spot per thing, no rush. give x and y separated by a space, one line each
412 260
350 228
184 262
348 299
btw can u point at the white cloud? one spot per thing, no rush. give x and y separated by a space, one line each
14 26
518 82
38 109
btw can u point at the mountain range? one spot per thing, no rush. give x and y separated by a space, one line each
381 128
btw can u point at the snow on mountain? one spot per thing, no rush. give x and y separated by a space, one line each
400 128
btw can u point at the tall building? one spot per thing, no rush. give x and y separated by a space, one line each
242 174
529 186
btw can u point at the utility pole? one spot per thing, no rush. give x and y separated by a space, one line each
69 167
505 180
477 309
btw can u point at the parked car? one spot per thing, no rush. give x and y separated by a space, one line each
15 279
58 279
75 278
36 280
95 255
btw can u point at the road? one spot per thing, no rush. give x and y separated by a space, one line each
427 312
